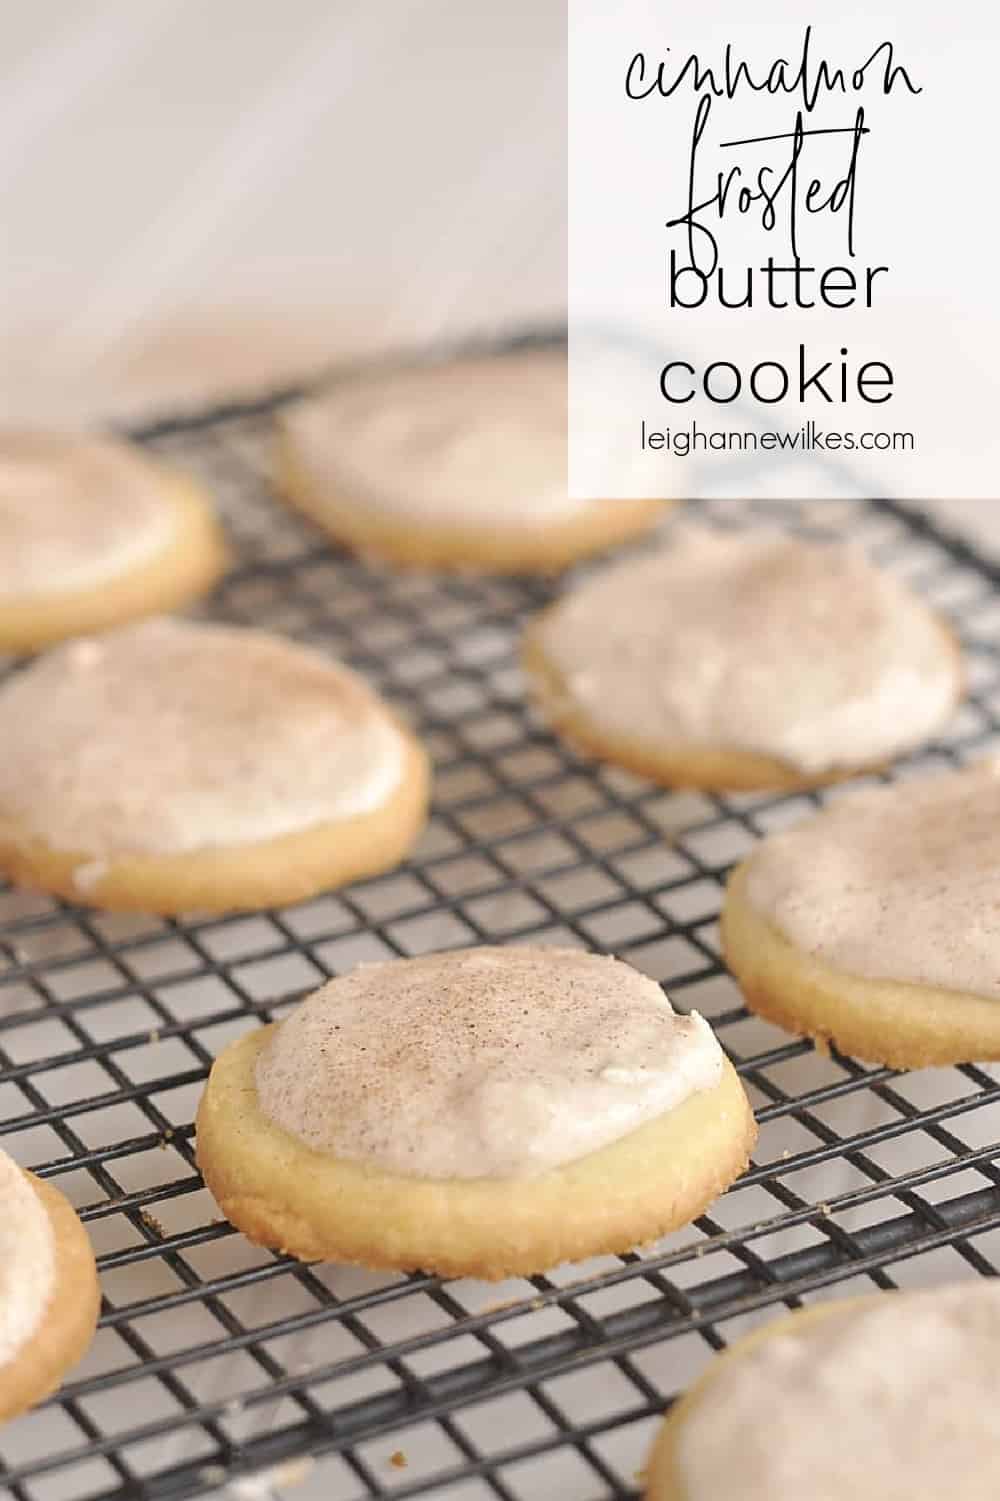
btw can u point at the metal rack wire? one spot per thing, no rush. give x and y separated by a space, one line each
218 1364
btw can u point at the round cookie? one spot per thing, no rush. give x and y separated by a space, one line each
170 766
884 1398
460 464
872 925
93 533
49 1297
484 1112
743 661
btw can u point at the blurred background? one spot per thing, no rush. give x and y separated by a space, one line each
207 200
203 198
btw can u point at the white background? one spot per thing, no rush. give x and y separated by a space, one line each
925 208
197 195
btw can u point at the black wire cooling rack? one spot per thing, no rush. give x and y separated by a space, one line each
219 1365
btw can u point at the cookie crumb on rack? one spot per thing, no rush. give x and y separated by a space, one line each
152 1223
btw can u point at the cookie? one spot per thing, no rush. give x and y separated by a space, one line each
743 661
884 1398
872 925
93 533
487 1112
170 766
460 464
49 1298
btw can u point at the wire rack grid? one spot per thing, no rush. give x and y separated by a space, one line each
222 1367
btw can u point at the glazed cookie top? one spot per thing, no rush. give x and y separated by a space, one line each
170 736
892 1399
75 511
470 442
481 1063
754 642
894 883
27 1259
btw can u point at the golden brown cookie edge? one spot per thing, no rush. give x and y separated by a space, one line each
188 567
70 1316
893 1023
269 873
663 1479
702 768
283 1194
543 547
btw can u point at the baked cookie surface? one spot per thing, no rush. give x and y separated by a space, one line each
460 464
743 661
884 1398
485 1112
49 1297
93 533
872 924
171 766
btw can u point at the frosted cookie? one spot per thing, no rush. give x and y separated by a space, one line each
49 1297
460 464
93 533
746 660
873 925
171 766
887 1398
484 1112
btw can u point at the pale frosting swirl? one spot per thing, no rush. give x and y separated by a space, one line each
894 1400
477 442
894 883
170 736
754 642
75 512
482 1063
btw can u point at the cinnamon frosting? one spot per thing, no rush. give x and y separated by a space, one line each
894 1400
478 442
27 1260
481 1063
754 642
170 736
75 512
894 883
